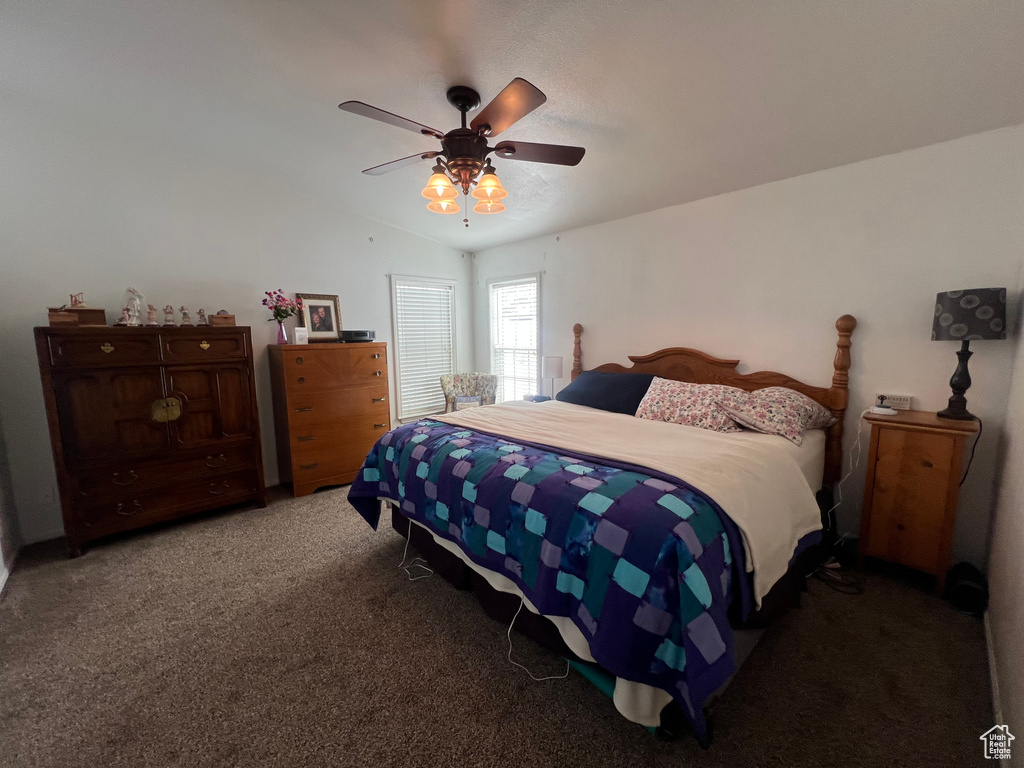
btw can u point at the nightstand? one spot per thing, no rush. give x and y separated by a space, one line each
911 489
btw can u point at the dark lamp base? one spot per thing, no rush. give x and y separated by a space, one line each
959 415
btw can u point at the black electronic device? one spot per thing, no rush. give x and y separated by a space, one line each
353 336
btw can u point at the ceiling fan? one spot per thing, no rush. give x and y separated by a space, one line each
465 150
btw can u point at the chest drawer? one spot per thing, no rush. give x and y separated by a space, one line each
129 477
317 370
114 348
312 408
133 510
199 345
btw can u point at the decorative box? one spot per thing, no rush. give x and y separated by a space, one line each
77 316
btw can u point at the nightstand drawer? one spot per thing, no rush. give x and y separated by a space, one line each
917 455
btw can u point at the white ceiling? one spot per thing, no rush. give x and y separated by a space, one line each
674 100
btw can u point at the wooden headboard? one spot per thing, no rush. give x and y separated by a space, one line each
683 364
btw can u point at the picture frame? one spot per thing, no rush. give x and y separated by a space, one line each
321 316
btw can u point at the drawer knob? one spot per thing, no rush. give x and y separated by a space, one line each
134 507
302 379
900 527
216 489
298 360
377 356
928 464
118 480
305 438
377 373
308 466
379 399
216 461
307 409
381 425
204 344
106 347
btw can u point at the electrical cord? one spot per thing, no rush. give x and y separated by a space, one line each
973 449
416 562
835 577
522 602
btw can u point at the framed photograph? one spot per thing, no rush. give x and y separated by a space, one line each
321 316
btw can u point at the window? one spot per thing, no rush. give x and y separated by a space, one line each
423 312
514 323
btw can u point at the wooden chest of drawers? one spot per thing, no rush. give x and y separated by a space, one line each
331 403
911 489
149 424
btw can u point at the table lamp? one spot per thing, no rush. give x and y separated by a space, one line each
966 316
551 368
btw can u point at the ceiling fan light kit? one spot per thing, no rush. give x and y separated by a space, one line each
464 150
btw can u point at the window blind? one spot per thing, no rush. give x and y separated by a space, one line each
424 319
514 321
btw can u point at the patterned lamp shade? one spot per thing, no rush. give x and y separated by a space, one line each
975 314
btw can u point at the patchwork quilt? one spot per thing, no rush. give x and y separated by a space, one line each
639 561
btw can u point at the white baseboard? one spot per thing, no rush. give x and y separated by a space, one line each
997 706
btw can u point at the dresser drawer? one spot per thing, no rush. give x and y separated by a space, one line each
119 347
132 510
199 345
341 446
318 409
128 477
317 370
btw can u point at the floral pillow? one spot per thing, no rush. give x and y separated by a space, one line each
694 405
779 411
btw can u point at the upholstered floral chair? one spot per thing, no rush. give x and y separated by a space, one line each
482 385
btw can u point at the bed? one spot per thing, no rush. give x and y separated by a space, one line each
649 554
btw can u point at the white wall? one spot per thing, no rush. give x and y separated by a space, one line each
97 208
1005 567
762 274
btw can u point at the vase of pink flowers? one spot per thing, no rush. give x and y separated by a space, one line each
281 307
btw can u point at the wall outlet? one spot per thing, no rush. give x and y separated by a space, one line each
899 402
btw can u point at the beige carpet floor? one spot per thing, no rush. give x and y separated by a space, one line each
287 637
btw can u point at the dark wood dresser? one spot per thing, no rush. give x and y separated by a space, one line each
149 424
331 403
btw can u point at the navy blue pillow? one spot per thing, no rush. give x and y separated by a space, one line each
615 392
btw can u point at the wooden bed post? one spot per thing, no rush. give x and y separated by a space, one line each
840 396
577 354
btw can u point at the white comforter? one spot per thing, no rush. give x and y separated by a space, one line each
761 488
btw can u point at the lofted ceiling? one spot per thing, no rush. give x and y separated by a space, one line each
674 100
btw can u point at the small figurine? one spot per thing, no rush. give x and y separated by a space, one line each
151 317
202 318
124 318
77 300
169 316
185 319
134 301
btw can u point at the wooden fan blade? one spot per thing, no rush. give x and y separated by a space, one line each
380 170
375 113
556 154
518 99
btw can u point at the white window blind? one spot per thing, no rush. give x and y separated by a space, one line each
514 321
424 318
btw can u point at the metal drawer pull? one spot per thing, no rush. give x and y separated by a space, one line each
377 373
308 466
132 477
377 356
216 461
381 425
304 410
107 347
216 489
135 507
204 344
298 360
379 399
306 438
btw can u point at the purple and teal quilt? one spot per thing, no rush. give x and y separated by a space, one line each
639 561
